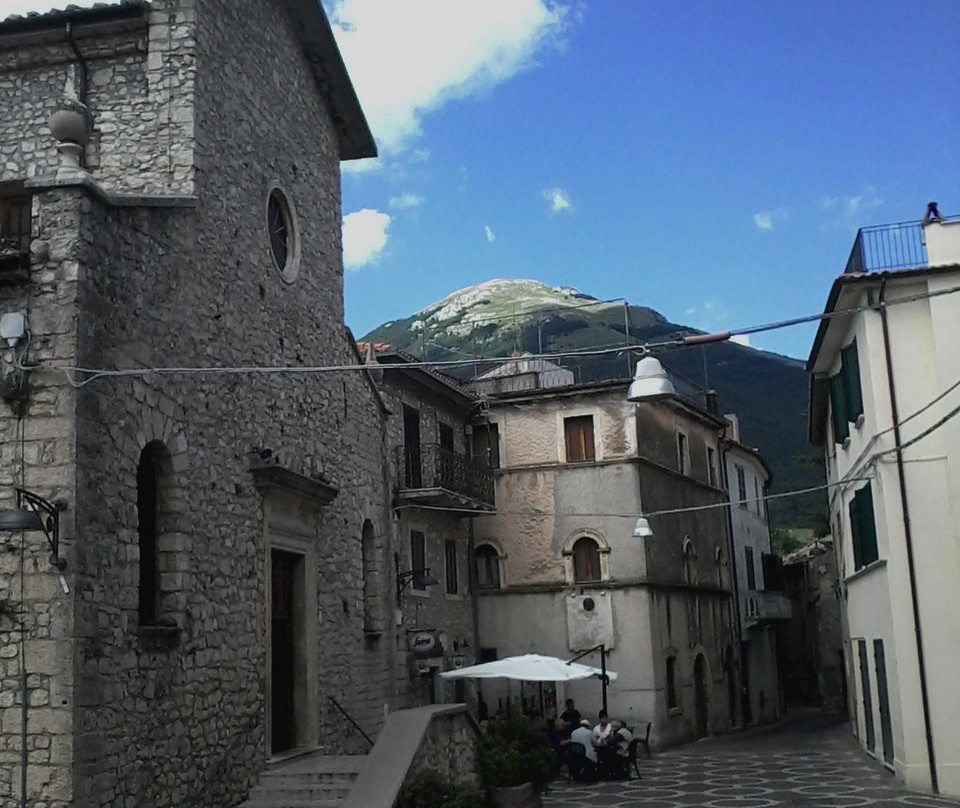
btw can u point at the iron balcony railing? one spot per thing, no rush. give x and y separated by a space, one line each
432 466
888 246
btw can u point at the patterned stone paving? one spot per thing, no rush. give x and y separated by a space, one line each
806 761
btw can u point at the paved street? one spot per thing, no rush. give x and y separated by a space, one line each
807 760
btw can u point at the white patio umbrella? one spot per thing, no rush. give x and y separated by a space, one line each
528 668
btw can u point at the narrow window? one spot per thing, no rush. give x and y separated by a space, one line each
450 561
579 438
741 487
756 494
446 437
672 702
751 569
712 466
147 506
488 567
15 217
863 528
486 445
683 456
586 560
418 558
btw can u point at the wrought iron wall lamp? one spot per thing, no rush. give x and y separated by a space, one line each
32 513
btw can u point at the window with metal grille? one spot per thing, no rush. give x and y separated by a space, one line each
15 217
488 567
486 445
450 562
586 560
578 432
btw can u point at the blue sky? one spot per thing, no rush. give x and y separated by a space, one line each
711 160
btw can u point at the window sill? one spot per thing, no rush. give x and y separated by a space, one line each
866 570
673 712
158 637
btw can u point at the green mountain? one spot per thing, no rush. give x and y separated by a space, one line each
767 391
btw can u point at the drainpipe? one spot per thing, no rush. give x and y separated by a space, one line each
908 540
82 63
732 554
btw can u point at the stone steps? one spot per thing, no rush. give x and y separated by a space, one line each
310 781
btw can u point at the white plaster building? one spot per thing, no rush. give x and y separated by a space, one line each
758 584
884 394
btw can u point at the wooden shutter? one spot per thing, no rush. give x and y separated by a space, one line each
867 526
850 370
579 438
838 408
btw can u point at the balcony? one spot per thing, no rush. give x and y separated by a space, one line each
762 606
433 475
888 246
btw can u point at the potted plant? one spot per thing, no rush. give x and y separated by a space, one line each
515 763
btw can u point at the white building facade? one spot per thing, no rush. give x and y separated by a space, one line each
758 584
884 394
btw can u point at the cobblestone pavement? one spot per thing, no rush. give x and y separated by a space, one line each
807 761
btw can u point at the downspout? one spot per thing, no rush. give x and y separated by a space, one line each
82 63
732 555
908 540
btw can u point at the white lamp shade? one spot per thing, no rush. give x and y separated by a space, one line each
650 381
642 529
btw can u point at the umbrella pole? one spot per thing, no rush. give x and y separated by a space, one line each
603 675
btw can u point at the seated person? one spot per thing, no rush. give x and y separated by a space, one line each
619 744
585 768
601 732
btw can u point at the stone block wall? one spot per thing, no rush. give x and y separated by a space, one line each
449 747
139 87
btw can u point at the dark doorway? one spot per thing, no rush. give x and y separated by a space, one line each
700 705
746 708
284 571
868 731
731 670
446 438
883 701
411 447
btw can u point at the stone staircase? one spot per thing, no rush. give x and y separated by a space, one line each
310 781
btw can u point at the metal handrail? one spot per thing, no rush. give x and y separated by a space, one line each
432 466
346 715
888 246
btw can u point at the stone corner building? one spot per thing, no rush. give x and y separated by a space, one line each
170 197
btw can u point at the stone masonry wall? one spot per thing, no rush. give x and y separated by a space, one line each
38 453
139 89
449 747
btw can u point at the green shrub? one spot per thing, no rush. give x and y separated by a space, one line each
427 789
512 753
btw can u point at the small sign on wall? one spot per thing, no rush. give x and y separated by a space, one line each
426 644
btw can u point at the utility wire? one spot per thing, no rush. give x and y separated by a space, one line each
646 347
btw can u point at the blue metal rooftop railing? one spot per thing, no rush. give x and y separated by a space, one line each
888 246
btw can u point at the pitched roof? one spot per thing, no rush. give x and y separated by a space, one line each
314 35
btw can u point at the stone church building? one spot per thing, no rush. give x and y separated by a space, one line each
170 197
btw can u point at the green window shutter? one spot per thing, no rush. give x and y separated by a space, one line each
855 531
868 526
838 408
850 370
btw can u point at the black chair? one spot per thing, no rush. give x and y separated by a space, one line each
632 757
579 766
645 740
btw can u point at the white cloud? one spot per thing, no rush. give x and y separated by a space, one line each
558 199
409 59
488 232
364 237
846 212
405 201
741 339
763 220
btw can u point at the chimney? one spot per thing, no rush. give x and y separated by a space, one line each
712 402
733 427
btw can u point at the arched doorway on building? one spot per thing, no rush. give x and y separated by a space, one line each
700 704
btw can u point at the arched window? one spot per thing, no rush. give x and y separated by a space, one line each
689 561
488 566
148 507
586 560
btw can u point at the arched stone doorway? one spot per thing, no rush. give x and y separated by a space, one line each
700 704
